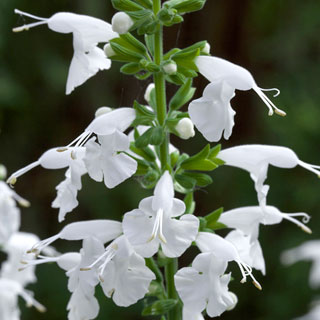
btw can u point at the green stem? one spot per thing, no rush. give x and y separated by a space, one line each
160 89
170 270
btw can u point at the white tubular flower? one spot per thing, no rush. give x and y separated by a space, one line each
103 161
103 230
212 113
124 275
147 93
87 32
248 219
185 128
256 159
102 110
216 69
154 224
308 251
121 23
249 251
204 286
226 251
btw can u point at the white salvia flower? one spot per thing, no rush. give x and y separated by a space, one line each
309 251
256 159
249 251
154 224
15 248
206 48
123 273
102 110
147 93
212 113
121 23
225 250
103 230
248 219
217 69
204 286
104 162
9 213
185 128
87 32
170 68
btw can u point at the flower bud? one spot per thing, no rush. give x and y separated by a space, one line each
108 50
121 22
102 110
185 128
148 92
170 68
3 172
235 301
206 48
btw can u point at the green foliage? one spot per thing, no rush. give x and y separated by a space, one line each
159 307
182 96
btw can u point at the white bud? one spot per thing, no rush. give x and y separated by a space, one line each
170 68
121 22
185 128
3 172
235 301
148 91
108 51
206 48
102 110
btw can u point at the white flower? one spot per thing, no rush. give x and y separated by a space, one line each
212 113
104 162
3 172
103 230
87 32
154 224
121 22
124 275
185 128
248 219
225 250
309 251
204 286
170 68
256 159
217 70
9 213
102 110
250 252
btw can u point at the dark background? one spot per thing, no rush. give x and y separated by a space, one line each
278 41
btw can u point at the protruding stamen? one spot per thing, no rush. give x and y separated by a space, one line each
272 89
268 102
311 167
297 222
41 260
13 178
30 301
38 247
26 27
246 270
17 11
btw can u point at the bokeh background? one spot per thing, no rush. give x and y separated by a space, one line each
277 40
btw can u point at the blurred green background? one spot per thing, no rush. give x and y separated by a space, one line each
277 40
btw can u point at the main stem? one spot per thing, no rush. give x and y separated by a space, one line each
160 89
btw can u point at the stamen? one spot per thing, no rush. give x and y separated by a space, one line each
297 222
17 11
157 227
246 270
13 178
38 247
269 103
26 27
272 89
310 167
30 301
41 260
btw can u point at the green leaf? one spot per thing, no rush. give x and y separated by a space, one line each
217 226
159 307
150 179
182 96
202 179
186 58
126 5
174 156
145 3
145 153
170 53
185 6
178 78
130 68
149 39
213 217
124 54
185 181
143 110
143 76
152 136
214 152
190 203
